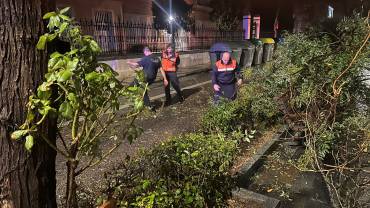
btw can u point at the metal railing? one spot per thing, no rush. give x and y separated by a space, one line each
122 38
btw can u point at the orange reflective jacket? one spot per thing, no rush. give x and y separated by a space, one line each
226 67
169 64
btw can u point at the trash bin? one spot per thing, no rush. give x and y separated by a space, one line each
246 58
216 50
237 48
268 49
258 53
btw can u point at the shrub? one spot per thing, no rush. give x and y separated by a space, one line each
258 95
317 81
255 107
186 171
225 118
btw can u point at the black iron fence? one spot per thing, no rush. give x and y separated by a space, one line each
122 38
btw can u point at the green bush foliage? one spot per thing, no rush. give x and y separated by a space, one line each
85 95
186 171
324 82
317 83
255 108
225 118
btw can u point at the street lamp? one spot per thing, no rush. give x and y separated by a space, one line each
171 20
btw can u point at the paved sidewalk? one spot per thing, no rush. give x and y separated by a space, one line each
189 79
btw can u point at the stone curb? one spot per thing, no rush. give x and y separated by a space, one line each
246 195
250 168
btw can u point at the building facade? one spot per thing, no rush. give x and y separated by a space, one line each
109 10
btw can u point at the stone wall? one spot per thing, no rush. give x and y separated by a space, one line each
187 63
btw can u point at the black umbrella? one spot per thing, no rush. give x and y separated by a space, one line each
220 47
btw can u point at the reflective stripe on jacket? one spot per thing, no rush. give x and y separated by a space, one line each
225 73
226 67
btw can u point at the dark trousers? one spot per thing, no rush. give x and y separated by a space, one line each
227 91
146 96
174 81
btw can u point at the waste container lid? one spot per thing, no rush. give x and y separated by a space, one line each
220 47
267 40
257 42
249 44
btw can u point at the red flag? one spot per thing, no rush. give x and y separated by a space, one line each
276 26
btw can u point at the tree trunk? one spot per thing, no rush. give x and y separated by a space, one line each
27 180
71 195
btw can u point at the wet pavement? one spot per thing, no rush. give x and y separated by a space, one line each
189 78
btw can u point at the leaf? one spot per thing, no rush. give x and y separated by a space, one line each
48 15
44 95
146 184
246 139
91 76
52 37
45 86
64 75
194 154
132 88
29 142
66 110
64 17
112 85
45 110
73 51
54 21
54 55
94 46
178 191
71 65
64 10
42 41
63 27
72 97
18 134
139 104
60 64
30 116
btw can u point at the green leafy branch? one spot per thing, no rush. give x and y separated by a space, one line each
83 94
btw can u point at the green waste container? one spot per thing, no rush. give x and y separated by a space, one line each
237 48
243 52
258 53
216 50
247 55
268 49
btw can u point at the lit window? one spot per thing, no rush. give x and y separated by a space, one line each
330 12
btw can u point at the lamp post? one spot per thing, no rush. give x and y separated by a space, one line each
171 19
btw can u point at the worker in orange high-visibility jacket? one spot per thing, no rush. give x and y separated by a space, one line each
225 76
170 62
